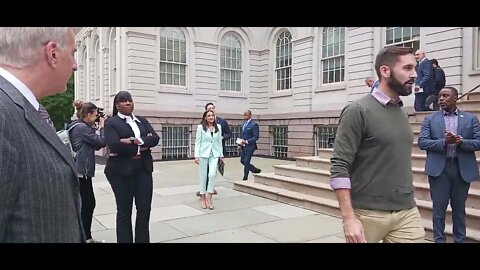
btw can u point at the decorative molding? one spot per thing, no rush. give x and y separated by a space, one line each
303 40
259 52
105 49
206 44
130 33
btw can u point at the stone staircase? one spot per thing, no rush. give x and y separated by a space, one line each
306 183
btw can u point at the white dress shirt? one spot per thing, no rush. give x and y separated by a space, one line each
132 121
26 92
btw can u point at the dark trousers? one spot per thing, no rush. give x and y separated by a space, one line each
139 186
245 158
449 187
88 204
420 102
432 99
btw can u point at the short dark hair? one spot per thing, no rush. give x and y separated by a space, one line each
389 56
209 103
434 61
452 89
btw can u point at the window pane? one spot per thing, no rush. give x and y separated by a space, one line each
163 67
397 34
407 33
238 86
415 31
163 78
169 55
169 78
183 69
222 84
170 44
325 77
389 36
342 34
176 56
330 76
170 68
176 79
176 45
182 80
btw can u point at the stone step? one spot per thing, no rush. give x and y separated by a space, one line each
416 126
321 205
327 206
315 188
473 235
469 105
472 216
422 192
420 181
473 96
314 162
418 160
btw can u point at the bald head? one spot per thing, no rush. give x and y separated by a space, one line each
419 55
247 115
369 81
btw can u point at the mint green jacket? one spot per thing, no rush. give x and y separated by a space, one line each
205 143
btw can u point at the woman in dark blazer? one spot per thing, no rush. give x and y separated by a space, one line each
129 167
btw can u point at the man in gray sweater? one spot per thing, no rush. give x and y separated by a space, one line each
371 164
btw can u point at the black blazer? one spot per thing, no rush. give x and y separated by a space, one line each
117 128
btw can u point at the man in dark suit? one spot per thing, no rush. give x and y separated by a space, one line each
424 83
439 82
226 134
450 137
248 144
39 189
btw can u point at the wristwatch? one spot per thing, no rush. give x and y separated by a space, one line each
132 139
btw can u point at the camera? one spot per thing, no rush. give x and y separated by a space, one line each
100 114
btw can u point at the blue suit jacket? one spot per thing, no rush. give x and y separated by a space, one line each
432 139
425 76
251 134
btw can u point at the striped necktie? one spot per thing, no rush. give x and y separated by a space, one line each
43 112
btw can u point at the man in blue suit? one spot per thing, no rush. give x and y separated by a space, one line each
248 144
450 138
423 81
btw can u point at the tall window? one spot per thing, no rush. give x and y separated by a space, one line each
333 54
403 37
231 63
173 57
477 48
113 60
283 63
98 69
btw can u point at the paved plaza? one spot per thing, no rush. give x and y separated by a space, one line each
177 217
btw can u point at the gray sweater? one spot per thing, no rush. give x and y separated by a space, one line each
84 142
373 148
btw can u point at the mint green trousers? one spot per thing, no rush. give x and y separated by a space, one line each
212 163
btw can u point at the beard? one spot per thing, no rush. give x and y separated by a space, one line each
402 89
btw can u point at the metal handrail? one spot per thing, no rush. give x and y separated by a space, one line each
473 89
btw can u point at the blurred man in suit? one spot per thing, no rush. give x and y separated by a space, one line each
39 189
450 137
248 144
424 83
439 81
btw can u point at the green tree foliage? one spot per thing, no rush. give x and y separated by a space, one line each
60 106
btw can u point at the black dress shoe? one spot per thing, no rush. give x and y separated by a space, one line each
198 194
257 171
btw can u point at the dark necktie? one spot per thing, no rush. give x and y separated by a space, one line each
43 112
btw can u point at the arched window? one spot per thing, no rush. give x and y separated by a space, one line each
283 63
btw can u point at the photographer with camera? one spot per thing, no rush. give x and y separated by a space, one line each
85 141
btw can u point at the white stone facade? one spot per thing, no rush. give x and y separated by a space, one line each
130 58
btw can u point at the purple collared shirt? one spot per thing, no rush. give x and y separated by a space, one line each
345 182
451 125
